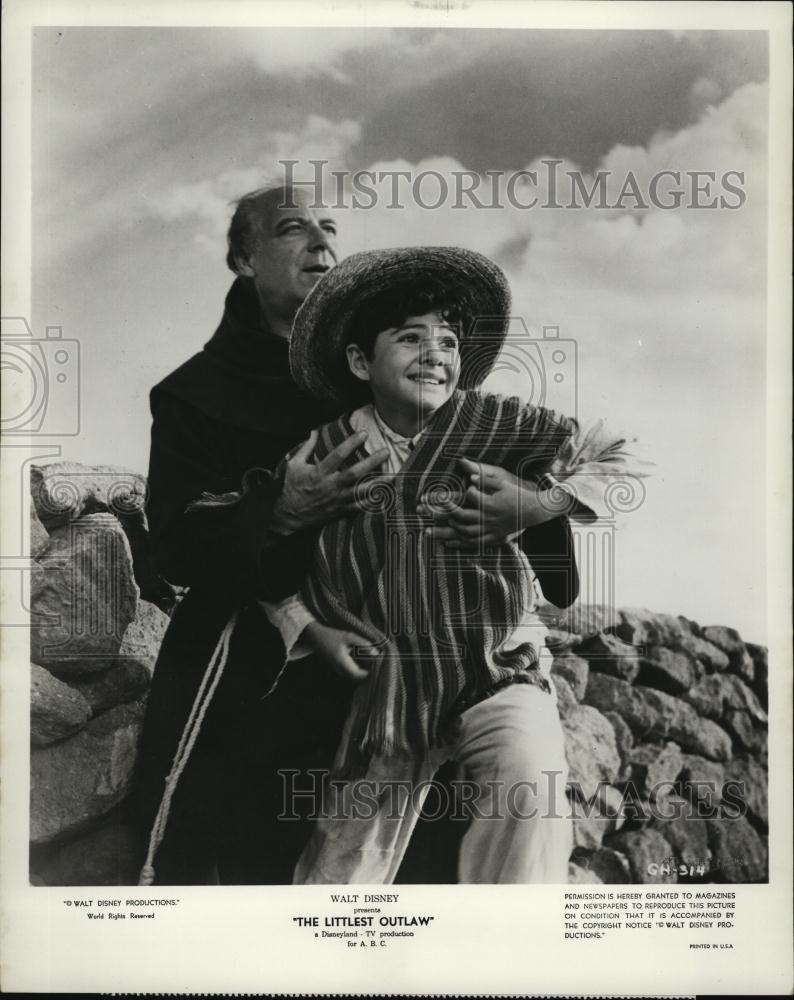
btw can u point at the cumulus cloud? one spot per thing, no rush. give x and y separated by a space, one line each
632 251
704 93
673 301
663 311
210 201
621 277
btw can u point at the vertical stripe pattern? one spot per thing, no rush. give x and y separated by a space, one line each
438 617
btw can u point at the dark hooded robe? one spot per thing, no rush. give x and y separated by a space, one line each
230 408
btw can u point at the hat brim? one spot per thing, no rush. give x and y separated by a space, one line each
323 324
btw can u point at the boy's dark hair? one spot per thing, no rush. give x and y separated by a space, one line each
391 306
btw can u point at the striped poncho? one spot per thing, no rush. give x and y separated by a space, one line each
438 617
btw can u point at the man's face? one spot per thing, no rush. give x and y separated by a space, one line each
295 248
414 368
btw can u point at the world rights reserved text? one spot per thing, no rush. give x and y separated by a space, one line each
110 909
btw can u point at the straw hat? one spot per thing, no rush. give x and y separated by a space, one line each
324 323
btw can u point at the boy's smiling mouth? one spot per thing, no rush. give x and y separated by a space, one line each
427 379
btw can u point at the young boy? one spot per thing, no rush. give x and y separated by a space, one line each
450 657
444 642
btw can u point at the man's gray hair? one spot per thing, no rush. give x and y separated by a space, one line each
246 225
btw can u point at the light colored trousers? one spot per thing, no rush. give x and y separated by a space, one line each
512 751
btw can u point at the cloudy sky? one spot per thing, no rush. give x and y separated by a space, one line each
141 138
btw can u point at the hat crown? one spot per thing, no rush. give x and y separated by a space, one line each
323 325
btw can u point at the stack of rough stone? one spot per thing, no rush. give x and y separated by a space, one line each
659 713
666 738
95 633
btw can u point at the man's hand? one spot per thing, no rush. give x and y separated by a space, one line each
315 494
496 508
335 646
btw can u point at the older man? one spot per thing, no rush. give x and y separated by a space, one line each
231 408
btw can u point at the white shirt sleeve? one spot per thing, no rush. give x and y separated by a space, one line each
605 466
290 617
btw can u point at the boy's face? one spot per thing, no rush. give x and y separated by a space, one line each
414 367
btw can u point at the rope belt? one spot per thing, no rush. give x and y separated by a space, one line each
206 691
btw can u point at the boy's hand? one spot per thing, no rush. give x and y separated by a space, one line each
336 646
496 508
315 494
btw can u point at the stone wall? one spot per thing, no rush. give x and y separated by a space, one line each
666 735
98 615
665 720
